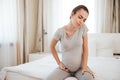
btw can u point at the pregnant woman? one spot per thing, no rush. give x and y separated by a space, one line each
74 44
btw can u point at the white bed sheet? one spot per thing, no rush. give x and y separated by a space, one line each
36 69
104 69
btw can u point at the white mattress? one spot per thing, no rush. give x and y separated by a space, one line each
103 67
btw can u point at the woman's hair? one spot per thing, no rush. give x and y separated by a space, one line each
77 8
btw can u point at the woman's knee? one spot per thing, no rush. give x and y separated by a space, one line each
87 76
57 74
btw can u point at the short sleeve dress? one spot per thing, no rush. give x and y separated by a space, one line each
72 47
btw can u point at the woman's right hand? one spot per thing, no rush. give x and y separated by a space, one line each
62 66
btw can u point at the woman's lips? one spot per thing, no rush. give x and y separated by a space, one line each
78 24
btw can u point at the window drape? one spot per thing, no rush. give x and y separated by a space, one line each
27 22
39 46
8 30
108 16
18 27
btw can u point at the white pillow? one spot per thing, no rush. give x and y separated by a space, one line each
92 47
104 43
105 52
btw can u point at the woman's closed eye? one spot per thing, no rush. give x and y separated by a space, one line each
80 17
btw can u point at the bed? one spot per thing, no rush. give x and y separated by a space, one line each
101 60
105 68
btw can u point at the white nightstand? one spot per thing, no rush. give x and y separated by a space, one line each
36 56
116 55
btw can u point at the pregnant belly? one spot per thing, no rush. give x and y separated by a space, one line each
72 65
72 62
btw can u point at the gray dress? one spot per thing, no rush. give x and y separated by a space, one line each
72 49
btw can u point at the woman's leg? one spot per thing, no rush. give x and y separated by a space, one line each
85 76
58 74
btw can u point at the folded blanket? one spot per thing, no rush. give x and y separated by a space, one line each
37 69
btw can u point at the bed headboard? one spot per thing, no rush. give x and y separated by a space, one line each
103 44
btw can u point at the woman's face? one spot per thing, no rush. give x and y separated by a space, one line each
79 18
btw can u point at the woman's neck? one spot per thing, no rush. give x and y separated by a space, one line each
70 27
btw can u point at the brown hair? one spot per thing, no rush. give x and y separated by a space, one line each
80 7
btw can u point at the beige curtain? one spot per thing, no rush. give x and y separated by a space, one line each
27 22
39 37
108 16
116 23
44 24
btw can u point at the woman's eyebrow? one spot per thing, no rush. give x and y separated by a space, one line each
82 17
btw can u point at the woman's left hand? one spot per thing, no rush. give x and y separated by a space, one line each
88 70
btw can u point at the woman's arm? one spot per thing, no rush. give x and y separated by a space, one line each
85 56
53 50
55 55
85 52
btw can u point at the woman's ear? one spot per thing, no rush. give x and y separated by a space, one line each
71 14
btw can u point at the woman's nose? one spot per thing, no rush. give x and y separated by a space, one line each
81 21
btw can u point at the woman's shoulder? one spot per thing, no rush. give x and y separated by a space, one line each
61 29
59 33
83 27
